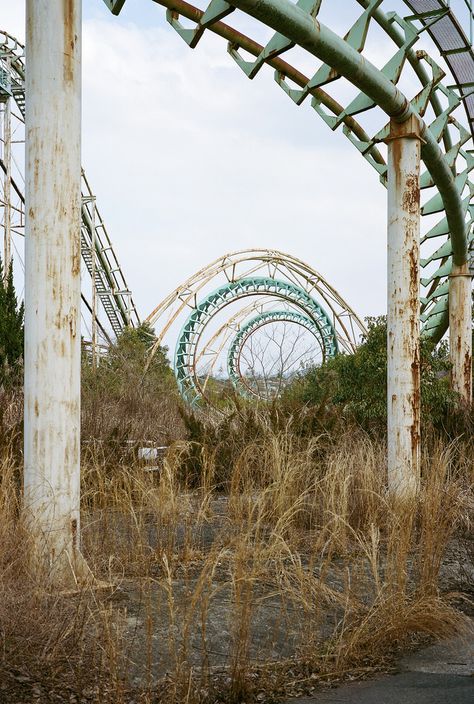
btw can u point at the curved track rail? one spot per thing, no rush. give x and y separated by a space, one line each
234 357
266 278
436 104
188 381
98 253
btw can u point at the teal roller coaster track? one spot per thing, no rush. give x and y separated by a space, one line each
442 105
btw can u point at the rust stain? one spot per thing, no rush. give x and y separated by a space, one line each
413 256
36 408
69 40
76 257
467 370
411 195
74 533
396 148
72 323
416 402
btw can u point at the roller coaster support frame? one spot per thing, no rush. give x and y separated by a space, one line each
52 287
403 328
300 27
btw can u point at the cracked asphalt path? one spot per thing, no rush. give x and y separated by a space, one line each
440 674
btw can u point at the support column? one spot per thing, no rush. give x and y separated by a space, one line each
460 331
52 285
403 326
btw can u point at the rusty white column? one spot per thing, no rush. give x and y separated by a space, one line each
52 285
460 331
403 327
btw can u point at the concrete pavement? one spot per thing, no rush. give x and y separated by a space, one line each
440 674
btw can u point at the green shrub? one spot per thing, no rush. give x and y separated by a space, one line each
11 331
127 401
354 387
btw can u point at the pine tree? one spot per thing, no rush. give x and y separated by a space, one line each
11 326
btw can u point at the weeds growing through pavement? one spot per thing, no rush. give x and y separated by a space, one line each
288 566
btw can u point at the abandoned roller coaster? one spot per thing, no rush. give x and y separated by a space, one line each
411 118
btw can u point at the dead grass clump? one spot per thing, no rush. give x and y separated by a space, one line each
298 567
388 625
44 639
124 408
11 428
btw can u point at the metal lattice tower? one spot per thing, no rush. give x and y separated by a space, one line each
97 250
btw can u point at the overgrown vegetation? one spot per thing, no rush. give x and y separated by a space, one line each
353 387
261 556
301 569
125 403
11 330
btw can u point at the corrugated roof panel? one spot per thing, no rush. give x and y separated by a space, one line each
419 6
462 66
448 35
469 102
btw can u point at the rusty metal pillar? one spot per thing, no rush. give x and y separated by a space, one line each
460 331
403 333
52 285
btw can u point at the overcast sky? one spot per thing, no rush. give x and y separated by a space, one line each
189 159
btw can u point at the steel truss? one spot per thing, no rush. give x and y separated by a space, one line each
110 286
270 278
445 152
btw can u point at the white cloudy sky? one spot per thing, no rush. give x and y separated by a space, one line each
189 159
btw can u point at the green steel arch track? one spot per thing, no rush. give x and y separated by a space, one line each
436 105
202 344
235 350
189 338
109 281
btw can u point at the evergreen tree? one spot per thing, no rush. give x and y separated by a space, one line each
11 327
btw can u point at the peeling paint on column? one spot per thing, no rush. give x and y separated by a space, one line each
460 332
52 283
403 327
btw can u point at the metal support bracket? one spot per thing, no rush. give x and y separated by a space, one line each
215 12
115 6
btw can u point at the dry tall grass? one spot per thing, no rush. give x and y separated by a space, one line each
300 568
